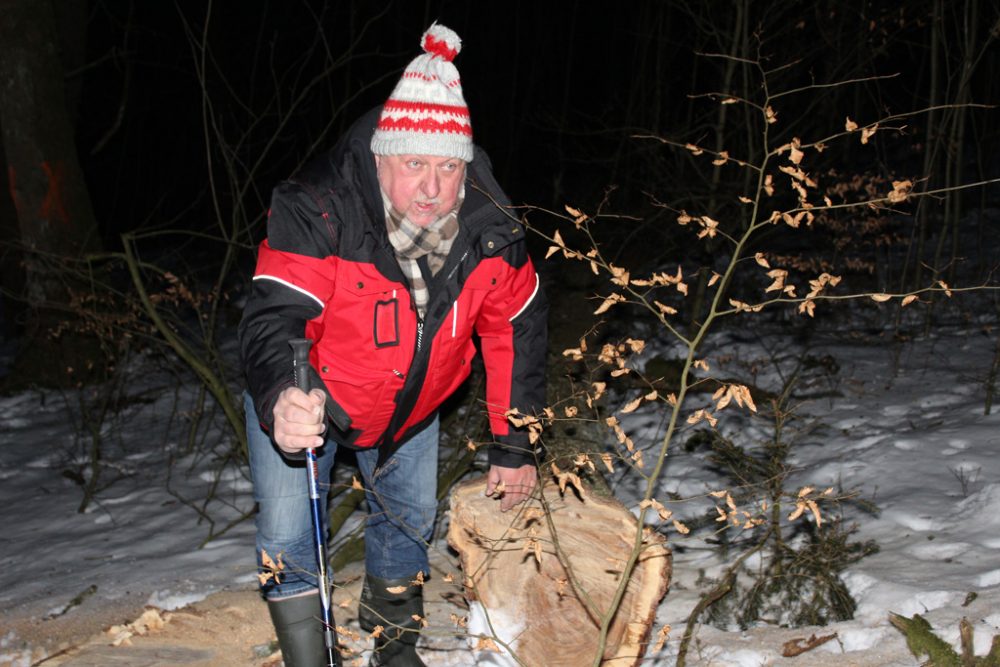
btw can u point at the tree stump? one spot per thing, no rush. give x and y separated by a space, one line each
517 571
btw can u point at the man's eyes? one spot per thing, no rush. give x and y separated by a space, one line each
419 164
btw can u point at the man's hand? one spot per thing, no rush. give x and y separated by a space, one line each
298 420
515 484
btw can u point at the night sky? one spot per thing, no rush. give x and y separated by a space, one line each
172 98
554 90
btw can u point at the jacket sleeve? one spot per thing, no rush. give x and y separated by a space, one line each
293 280
513 328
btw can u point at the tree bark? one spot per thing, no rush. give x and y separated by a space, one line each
55 220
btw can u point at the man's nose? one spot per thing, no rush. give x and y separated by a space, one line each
431 185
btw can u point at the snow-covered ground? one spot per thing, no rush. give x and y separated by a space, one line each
901 422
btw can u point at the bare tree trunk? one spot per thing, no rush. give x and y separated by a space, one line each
736 47
55 221
932 136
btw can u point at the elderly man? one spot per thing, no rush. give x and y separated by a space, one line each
389 252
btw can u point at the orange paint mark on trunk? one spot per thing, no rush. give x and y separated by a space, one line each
53 207
12 184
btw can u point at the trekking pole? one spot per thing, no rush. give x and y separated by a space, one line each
300 365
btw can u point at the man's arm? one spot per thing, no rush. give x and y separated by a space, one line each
513 327
293 279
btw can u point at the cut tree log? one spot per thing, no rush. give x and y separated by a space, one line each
515 566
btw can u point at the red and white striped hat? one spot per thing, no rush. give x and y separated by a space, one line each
426 113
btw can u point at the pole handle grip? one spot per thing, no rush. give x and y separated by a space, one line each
300 362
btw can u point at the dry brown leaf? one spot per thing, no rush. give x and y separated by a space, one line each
800 645
637 458
900 191
709 228
608 302
661 638
559 244
662 511
814 508
702 414
796 155
727 397
779 276
582 460
631 406
850 125
619 276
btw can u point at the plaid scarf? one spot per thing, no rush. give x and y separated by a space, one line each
411 242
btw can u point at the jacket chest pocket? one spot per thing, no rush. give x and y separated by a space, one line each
370 305
386 327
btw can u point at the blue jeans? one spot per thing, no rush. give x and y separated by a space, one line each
402 503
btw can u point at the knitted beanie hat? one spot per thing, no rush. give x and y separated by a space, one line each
426 113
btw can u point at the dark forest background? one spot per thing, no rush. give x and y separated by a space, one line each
141 138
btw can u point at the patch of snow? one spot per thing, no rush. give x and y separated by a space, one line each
743 658
504 626
987 579
855 639
169 601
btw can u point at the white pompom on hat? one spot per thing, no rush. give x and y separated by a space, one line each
426 113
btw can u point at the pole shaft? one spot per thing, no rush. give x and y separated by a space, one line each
300 368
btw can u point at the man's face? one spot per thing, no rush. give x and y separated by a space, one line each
423 187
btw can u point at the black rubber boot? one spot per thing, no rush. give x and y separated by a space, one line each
299 626
396 645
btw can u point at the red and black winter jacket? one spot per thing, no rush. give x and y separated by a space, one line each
327 272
